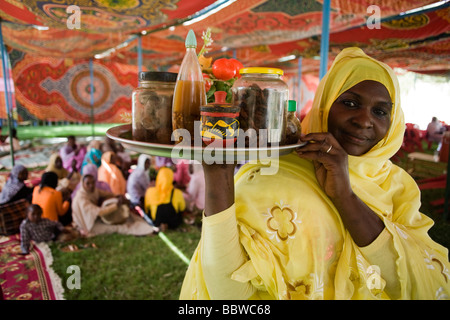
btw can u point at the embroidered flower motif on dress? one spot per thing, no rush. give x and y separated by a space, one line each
252 173
430 259
281 222
310 287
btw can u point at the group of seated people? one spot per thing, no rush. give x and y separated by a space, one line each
6 141
96 190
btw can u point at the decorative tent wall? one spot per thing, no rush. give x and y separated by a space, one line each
50 68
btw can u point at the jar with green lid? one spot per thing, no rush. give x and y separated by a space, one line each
262 97
152 107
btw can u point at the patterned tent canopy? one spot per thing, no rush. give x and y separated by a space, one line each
50 61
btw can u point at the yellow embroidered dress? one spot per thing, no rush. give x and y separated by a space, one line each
284 239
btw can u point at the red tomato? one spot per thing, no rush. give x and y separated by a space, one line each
223 69
207 80
237 66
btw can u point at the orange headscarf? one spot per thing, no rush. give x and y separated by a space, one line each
111 174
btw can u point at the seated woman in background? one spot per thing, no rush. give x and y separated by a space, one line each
15 188
71 150
181 176
111 174
93 171
6 145
93 155
139 181
164 203
94 213
67 178
195 190
55 204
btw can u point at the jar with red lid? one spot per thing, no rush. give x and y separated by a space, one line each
219 121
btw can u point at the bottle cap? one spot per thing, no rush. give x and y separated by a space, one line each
220 96
191 41
292 105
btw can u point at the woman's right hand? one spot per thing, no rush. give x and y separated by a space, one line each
219 187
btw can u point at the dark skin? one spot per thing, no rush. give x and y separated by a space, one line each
357 121
34 215
89 186
23 175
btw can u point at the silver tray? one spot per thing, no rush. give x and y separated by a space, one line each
208 154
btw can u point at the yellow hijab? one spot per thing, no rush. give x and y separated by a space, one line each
163 186
61 172
351 67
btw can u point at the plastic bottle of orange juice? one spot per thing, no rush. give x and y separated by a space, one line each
189 93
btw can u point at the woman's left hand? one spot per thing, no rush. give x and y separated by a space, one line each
330 162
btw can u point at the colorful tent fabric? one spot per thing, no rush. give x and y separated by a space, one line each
39 37
58 89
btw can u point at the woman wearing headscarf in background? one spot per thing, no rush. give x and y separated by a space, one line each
338 221
93 155
99 212
72 151
111 174
55 204
15 188
66 179
196 189
92 170
164 203
181 176
139 181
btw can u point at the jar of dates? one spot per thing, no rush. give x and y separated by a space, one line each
152 107
262 97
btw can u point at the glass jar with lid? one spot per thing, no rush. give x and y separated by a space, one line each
152 107
262 97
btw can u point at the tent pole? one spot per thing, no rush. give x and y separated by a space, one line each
91 72
324 42
299 72
139 54
8 102
447 190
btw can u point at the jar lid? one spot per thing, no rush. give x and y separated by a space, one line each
158 76
261 70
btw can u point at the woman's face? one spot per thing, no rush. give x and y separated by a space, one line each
23 175
58 162
89 184
360 117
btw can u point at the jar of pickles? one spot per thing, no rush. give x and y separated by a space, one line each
152 107
262 97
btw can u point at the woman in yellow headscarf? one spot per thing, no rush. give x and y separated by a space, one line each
66 179
338 221
164 202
